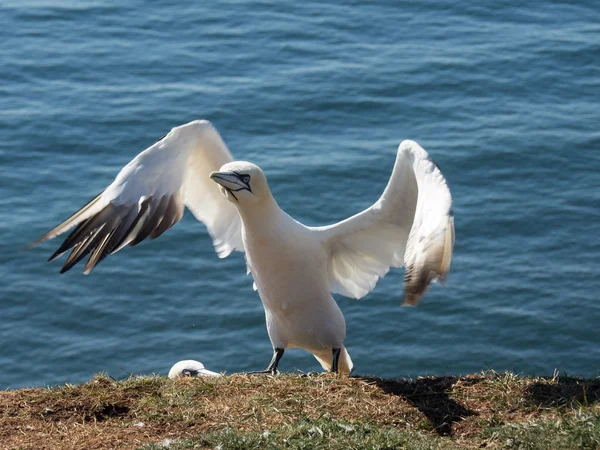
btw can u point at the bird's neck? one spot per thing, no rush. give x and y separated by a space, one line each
260 214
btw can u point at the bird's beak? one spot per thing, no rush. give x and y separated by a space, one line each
199 373
230 181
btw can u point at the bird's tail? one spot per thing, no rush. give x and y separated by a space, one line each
345 365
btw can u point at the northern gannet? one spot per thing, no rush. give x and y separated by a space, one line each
296 268
190 368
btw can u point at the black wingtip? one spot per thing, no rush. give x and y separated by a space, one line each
55 255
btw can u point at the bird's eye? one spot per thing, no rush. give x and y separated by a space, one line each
246 179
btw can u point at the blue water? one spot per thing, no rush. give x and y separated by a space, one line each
504 95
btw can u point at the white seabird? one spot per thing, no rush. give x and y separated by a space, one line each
190 368
295 267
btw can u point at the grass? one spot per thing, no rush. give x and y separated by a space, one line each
322 433
487 410
579 431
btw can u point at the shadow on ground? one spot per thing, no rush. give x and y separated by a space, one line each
567 391
431 396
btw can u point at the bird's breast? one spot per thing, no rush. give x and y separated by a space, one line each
289 271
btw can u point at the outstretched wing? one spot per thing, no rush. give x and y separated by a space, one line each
148 196
411 224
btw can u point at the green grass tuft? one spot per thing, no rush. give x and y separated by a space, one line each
580 431
323 433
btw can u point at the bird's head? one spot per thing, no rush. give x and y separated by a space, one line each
242 183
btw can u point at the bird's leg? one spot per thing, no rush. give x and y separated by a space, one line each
277 354
272 369
336 359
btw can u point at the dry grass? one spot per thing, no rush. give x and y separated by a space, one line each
455 412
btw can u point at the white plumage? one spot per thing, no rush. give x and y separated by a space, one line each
295 267
190 368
